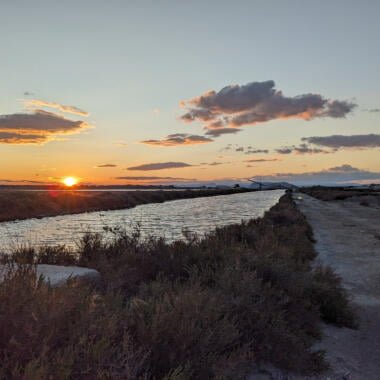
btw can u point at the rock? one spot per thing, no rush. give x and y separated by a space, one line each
57 275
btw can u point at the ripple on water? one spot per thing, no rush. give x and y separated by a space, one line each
168 220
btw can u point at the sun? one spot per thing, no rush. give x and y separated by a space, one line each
70 181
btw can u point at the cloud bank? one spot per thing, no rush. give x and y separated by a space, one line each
348 141
335 175
179 139
235 106
159 166
17 181
36 128
301 149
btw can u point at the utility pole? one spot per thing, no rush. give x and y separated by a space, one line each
259 183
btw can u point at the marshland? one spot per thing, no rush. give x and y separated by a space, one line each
216 306
189 190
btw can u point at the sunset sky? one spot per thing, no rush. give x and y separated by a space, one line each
115 92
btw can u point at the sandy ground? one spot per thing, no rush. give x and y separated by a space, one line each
348 239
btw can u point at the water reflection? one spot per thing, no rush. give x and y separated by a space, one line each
168 219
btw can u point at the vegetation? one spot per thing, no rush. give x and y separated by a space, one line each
325 193
201 308
34 204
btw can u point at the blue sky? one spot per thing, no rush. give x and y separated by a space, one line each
130 63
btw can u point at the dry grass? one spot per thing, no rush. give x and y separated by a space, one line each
325 193
205 308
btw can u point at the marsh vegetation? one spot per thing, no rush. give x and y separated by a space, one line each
211 307
325 193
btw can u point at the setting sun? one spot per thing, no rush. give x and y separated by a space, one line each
70 181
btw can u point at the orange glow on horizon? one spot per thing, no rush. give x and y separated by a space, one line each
70 181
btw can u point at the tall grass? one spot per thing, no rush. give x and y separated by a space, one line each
205 308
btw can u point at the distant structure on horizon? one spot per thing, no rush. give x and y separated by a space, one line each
270 185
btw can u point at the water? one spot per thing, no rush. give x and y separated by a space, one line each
103 189
168 220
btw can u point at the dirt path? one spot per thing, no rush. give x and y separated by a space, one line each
348 240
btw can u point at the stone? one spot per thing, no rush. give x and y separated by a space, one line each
57 275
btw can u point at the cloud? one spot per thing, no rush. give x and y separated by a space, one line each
160 166
235 106
16 138
284 150
301 149
216 132
35 103
15 181
305 149
345 169
36 128
227 148
335 175
179 139
345 141
262 160
246 149
153 178
106 166
256 151
213 163
121 143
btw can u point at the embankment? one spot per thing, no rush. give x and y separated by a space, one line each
212 307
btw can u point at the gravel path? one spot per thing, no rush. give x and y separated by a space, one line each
348 239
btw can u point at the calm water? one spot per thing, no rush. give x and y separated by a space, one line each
168 219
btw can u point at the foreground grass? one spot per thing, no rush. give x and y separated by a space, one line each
33 204
201 309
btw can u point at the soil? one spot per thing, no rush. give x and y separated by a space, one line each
347 237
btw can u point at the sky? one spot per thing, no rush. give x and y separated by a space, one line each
116 92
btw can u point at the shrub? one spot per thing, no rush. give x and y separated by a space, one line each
203 308
62 333
328 293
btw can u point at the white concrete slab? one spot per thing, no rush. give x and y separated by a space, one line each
57 275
